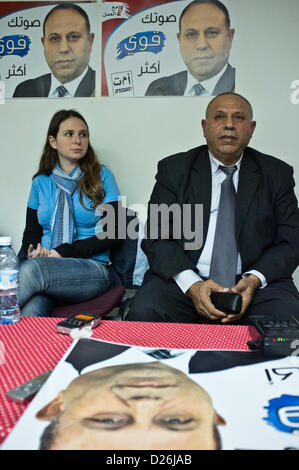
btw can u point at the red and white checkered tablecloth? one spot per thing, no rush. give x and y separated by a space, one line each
32 347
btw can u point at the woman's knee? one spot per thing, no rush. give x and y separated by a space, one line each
31 280
29 271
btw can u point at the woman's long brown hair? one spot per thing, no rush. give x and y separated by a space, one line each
91 182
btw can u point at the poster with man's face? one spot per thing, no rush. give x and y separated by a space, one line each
105 396
177 48
48 49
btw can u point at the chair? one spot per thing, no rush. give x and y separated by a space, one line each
101 305
127 269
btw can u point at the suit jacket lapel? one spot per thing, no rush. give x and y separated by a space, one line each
226 83
248 182
87 84
43 85
179 84
201 185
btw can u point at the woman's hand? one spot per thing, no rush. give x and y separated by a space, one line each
40 251
54 254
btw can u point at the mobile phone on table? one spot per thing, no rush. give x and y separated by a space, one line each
79 321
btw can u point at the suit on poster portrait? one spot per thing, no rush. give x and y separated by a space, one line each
40 87
176 84
87 353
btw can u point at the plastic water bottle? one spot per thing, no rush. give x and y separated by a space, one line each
9 277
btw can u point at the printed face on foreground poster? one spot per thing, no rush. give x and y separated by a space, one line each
108 396
49 50
177 48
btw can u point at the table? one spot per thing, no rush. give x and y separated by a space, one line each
32 347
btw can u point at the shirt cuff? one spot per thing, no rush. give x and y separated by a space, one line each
186 278
257 274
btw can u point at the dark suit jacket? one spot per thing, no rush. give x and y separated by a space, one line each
87 352
176 84
267 216
40 86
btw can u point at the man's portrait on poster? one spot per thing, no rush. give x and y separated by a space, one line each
67 42
205 38
132 406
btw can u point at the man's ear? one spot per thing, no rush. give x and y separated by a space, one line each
252 126
219 421
203 125
52 409
231 33
52 142
91 39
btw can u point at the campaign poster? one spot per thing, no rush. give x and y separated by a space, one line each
104 396
49 54
148 49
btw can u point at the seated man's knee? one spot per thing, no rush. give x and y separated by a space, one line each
149 303
139 307
278 303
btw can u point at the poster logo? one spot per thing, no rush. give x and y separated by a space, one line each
283 413
112 10
122 84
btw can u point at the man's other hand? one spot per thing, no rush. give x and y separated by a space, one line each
200 293
246 287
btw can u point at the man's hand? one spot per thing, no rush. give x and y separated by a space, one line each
246 287
200 293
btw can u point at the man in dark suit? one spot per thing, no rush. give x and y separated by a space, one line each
205 39
67 45
263 243
176 85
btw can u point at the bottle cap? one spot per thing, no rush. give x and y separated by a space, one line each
5 241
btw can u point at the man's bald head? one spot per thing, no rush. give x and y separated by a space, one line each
212 102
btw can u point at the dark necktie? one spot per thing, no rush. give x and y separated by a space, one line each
224 257
61 91
199 89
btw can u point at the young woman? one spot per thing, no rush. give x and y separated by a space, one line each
66 262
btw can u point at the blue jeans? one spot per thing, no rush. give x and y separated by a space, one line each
44 282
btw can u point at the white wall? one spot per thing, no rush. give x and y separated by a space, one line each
132 134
